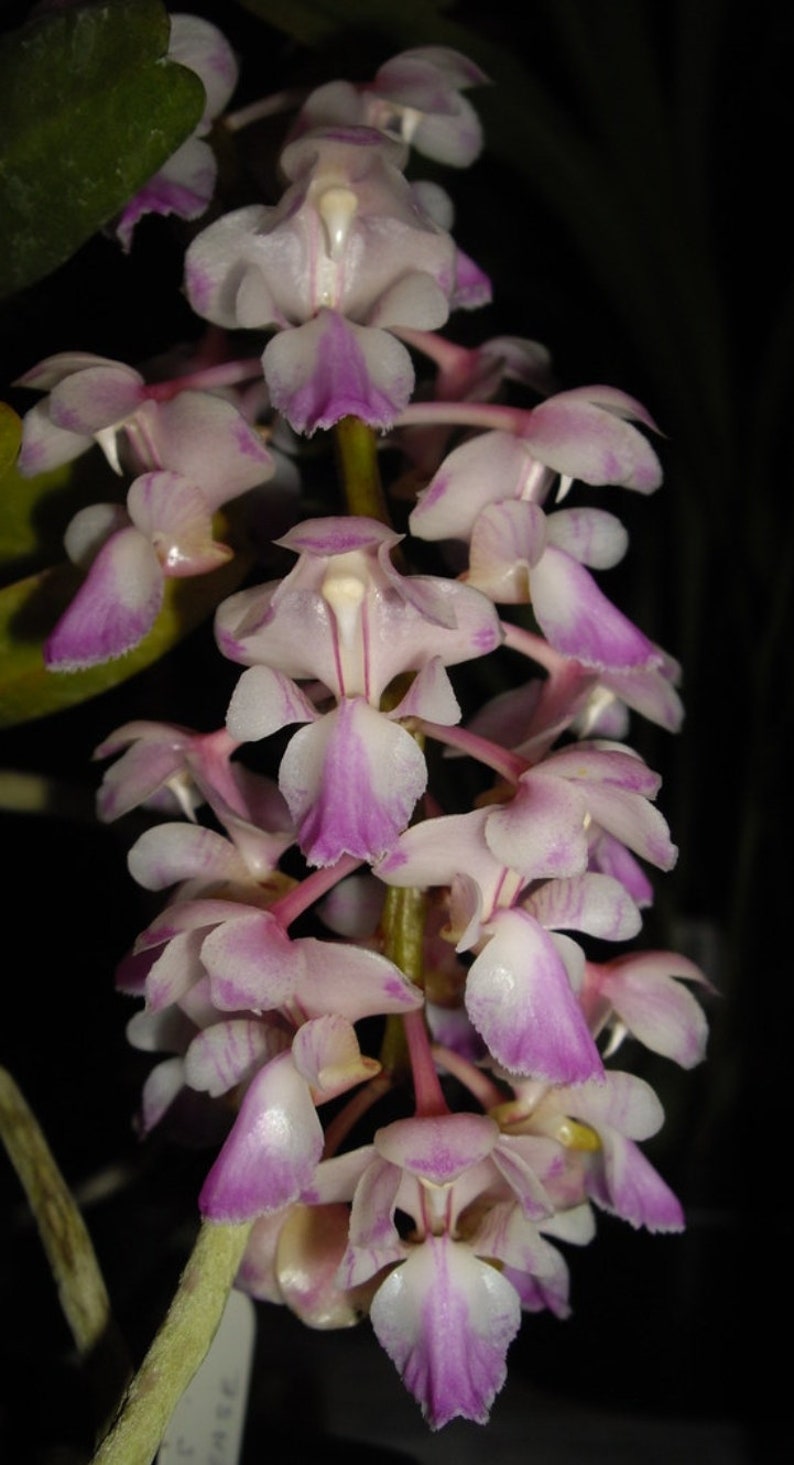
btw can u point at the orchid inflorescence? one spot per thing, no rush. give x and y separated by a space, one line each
465 931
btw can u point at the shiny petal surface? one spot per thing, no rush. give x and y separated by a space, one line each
174 514
272 1151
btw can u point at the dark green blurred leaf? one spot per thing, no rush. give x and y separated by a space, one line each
29 531
35 512
29 609
89 110
10 438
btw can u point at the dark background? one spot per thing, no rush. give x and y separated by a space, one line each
691 311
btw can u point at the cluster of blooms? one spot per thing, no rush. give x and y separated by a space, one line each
442 1227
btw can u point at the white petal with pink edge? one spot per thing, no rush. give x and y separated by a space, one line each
446 1320
272 1151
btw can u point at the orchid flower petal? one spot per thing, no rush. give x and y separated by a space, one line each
491 467
519 997
580 621
175 970
215 262
374 1241
522 1160
163 1085
331 368
622 1102
422 87
310 1247
591 536
115 607
415 299
256 1274
595 904
350 981
90 529
46 446
97 397
263 702
173 852
446 1320
228 1053
591 439
208 441
251 962
541 831
646 993
625 1184
609 857
507 541
431 696
507 1235
351 782
155 752
272 1151
326 1053
173 513
196 43
437 1150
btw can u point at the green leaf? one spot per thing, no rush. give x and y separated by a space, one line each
10 437
30 608
34 513
89 110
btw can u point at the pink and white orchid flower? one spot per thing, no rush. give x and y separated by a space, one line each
445 1313
599 1125
200 453
344 256
346 619
491 491
415 97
